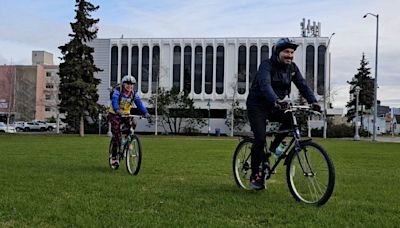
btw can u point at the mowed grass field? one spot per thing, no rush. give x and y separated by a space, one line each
64 181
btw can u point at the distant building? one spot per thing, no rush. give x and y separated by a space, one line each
29 92
336 116
383 121
42 58
211 70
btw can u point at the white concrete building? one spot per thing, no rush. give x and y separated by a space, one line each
210 69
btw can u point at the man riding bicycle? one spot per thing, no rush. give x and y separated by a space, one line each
122 101
265 101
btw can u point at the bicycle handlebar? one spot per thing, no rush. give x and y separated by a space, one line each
134 116
302 108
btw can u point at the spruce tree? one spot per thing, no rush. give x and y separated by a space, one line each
366 96
78 86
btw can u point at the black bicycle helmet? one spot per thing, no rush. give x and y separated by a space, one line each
284 43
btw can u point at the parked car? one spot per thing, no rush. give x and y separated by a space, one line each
5 129
19 125
52 126
48 126
34 126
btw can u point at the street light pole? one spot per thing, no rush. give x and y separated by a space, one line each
156 108
329 72
209 129
356 136
376 75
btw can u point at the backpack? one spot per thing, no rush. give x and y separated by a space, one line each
118 86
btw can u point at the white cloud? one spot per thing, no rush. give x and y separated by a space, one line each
45 26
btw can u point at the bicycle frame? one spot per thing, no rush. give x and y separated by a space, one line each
295 143
128 136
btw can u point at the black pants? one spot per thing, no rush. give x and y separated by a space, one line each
258 118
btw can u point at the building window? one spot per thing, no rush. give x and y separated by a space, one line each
124 61
47 109
220 69
198 62
145 69
264 52
187 69
209 69
155 72
48 97
48 74
114 65
310 66
242 70
135 62
321 69
252 63
49 86
176 77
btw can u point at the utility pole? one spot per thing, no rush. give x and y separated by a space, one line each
329 72
376 75
356 136
209 127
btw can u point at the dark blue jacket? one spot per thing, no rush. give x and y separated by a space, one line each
273 81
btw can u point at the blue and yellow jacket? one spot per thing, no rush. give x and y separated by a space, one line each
123 104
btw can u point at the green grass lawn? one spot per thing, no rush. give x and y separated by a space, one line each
64 181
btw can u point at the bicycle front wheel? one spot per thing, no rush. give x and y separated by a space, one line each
310 174
133 155
242 163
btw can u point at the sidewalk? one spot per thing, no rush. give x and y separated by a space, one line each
395 139
390 139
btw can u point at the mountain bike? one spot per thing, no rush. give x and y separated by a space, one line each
310 173
130 148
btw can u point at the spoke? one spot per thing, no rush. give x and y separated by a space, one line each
316 189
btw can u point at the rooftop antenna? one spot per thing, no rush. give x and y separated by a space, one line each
311 29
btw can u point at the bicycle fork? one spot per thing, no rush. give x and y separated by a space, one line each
298 151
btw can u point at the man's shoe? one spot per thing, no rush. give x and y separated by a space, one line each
257 182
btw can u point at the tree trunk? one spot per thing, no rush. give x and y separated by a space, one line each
81 126
169 124
361 117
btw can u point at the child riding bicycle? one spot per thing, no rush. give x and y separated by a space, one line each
122 100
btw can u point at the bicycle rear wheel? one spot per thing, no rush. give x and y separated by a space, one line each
310 174
133 156
242 163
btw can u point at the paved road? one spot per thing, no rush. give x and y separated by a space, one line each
395 139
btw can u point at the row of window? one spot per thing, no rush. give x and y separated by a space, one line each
49 86
310 62
135 65
211 56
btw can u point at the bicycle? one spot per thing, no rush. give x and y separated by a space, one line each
130 148
310 173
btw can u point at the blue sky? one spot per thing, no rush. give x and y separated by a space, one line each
28 25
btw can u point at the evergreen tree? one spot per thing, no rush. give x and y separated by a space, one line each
366 96
78 86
